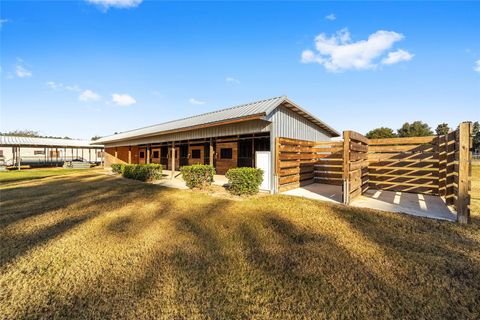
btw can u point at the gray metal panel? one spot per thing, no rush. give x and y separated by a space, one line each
247 127
47 142
289 124
236 112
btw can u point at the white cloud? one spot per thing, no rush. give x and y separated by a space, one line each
232 80
116 3
338 52
397 56
21 71
3 21
88 96
53 85
331 17
477 66
195 101
123 100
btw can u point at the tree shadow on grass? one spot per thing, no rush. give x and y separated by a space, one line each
83 201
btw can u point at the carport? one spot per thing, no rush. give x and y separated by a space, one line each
422 176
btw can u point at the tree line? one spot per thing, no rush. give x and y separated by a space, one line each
420 129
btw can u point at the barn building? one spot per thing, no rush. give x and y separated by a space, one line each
239 136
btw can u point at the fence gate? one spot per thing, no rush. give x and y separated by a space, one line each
355 165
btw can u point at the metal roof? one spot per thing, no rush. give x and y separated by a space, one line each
45 142
245 111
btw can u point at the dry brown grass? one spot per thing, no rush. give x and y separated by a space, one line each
95 246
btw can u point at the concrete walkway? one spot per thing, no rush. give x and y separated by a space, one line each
178 183
409 203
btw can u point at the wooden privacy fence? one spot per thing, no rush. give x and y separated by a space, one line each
436 165
299 162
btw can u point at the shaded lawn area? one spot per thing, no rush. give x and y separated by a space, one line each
88 245
30 174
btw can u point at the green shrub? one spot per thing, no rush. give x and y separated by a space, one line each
117 167
198 175
244 181
142 172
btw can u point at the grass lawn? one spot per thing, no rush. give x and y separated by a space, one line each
29 174
89 245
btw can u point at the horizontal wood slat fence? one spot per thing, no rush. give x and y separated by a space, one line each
435 165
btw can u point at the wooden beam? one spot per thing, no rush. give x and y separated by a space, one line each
464 171
211 152
129 155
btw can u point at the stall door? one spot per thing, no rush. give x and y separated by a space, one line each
226 156
196 155
155 155
142 155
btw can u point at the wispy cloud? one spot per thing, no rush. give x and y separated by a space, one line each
88 96
338 52
21 71
60 86
477 66
397 56
3 21
195 101
331 17
123 100
232 80
122 4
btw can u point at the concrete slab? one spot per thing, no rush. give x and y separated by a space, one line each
409 203
318 191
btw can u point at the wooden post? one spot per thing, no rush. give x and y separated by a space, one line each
211 152
346 167
56 157
129 154
116 154
45 156
19 158
89 155
101 159
276 170
173 161
464 172
442 165
148 153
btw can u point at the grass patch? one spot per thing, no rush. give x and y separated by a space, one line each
30 174
89 245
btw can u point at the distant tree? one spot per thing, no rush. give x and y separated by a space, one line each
415 129
442 129
30 133
94 138
380 133
22 133
476 135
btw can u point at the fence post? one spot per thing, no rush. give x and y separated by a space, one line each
346 164
464 171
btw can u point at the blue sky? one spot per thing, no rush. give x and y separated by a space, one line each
80 69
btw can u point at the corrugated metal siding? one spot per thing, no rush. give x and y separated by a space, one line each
288 124
247 127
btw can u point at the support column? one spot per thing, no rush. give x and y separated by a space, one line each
129 155
65 154
19 158
116 155
56 157
148 153
45 156
211 152
89 155
173 161
101 159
